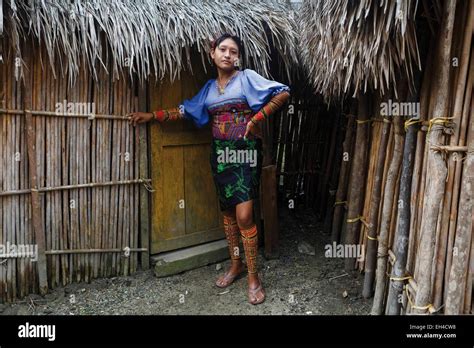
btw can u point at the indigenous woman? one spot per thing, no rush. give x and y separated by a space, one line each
236 102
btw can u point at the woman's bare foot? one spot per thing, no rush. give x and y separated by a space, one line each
236 269
256 291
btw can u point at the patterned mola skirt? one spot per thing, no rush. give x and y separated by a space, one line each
236 167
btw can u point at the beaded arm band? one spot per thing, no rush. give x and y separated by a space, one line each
271 107
168 114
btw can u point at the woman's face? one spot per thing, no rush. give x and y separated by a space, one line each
225 54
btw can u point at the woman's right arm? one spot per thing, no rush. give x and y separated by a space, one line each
193 109
165 115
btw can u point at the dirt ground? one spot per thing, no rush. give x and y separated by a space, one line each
295 284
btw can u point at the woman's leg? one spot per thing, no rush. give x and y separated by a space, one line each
232 235
248 231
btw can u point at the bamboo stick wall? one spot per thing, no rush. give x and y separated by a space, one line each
87 179
405 195
416 220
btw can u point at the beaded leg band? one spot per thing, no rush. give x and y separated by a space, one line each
250 241
232 234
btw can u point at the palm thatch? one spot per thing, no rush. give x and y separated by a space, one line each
352 45
149 37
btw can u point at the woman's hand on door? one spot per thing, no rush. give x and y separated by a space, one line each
140 117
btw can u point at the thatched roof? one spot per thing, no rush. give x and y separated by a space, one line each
352 45
342 46
149 37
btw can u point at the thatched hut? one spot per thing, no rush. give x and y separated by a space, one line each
377 140
94 194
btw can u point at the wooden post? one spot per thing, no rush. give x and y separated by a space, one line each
257 211
325 195
342 186
403 228
270 211
357 180
1 21
468 304
333 171
461 116
144 174
259 204
371 261
387 207
417 177
451 196
400 244
436 166
38 226
462 244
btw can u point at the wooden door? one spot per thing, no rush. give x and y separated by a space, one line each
185 207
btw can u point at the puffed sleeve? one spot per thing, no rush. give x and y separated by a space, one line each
258 90
195 108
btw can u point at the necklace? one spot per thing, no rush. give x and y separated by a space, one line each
221 89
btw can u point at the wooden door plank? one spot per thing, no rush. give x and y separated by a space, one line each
174 202
199 189
144 194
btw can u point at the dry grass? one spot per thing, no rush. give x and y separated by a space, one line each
352 46
149 37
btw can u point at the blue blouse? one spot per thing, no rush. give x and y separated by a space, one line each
246 84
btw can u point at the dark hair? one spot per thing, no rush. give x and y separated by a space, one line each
224 36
